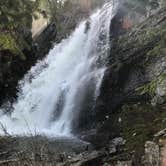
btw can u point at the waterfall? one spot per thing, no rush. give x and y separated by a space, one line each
54 91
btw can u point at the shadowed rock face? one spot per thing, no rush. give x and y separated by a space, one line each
126 71
136 77
130 66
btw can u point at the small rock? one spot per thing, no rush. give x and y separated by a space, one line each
161 133
69 157
115 143
112 149
120 120
124 163
134 134
162 142
152 154
119 141
107 117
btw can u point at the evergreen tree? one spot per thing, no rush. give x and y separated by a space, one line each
15 17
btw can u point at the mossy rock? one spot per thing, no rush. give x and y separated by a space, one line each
140 123
155 89
16 47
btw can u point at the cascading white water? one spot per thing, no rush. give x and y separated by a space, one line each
54 90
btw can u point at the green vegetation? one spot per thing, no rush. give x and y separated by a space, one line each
149 88
14 14
16 21
15 24
7 42
51 8
140 122
157 50
141 5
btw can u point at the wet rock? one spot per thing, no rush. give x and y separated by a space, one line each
152 154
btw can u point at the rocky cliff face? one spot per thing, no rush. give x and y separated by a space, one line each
136 59
132 100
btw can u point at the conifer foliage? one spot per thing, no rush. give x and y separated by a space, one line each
15 22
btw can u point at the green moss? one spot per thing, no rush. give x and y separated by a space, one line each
159 49
8 42
142 38
140 6
15 25
139 124
150 88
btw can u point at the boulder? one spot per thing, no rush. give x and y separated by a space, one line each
152 154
